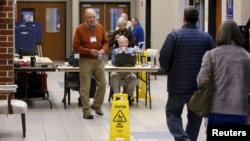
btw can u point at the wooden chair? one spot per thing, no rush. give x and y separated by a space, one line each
8 105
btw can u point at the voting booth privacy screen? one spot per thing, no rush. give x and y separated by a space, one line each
28 34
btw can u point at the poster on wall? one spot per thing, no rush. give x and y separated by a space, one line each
230 9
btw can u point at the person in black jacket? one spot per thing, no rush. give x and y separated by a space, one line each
122 30
74 77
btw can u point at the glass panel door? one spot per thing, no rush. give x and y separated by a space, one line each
114 15
52 20
99 8
107 13
114 11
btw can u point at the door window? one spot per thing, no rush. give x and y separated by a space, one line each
52 20
28 14
114 15
97 10
107 13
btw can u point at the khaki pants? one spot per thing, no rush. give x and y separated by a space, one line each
128 77
87 68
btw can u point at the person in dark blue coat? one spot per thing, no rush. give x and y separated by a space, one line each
74 77
180 57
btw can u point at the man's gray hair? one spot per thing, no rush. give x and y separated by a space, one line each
122 37
89 10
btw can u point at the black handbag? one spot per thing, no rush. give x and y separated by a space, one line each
201 99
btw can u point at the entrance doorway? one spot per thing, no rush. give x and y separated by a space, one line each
107 13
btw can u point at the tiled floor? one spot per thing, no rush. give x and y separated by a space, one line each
59 124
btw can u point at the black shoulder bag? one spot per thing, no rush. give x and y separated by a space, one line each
201 100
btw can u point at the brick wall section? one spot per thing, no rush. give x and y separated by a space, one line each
6 42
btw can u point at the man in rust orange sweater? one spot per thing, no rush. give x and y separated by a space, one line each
91 42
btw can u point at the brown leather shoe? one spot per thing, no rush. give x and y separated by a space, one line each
98 110
88 116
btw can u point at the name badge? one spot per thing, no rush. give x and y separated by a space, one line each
76 55
92 39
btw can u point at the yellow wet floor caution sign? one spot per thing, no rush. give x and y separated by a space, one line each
119 119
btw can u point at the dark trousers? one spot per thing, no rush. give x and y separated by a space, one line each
174 108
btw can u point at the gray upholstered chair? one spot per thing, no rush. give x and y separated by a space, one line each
152 53
8 105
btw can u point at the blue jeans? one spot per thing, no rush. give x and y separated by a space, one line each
174 108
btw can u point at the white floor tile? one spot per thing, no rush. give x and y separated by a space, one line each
45 124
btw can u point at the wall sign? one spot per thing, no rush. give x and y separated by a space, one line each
230 9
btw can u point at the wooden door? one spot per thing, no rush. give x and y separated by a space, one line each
52 17
114 11
107 13
99 8
218 14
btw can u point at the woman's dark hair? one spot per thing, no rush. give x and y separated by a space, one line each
191 14
229 33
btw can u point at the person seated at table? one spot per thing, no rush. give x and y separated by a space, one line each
75 78
122 30
128 77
